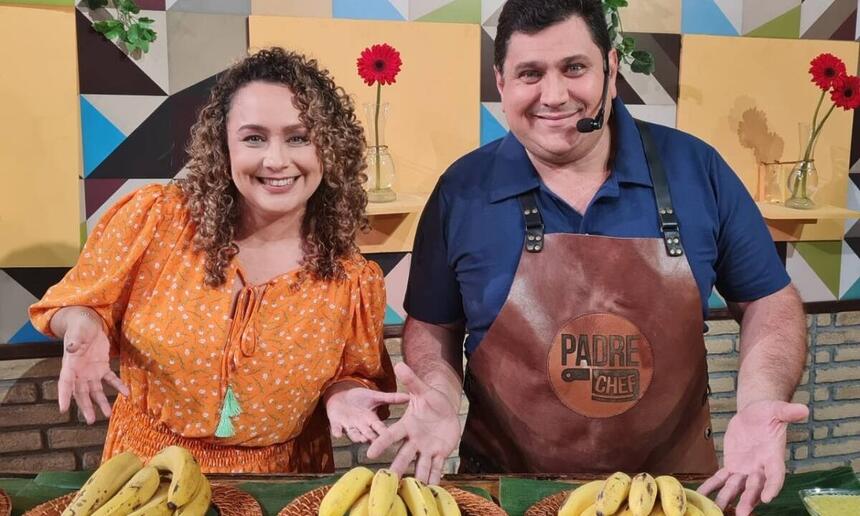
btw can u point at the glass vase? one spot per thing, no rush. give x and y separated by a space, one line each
380 166
771 182
803 179
802 185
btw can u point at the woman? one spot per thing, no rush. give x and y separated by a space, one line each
235 297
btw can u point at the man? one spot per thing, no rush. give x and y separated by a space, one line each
579 256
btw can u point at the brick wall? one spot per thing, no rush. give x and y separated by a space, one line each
34 436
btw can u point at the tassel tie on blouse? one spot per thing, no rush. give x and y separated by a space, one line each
241 343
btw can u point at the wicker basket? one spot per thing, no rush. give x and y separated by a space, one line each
227 499
470 504
5 504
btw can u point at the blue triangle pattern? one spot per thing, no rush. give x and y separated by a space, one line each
853 292
716 301
100 137
28 333
491 129
392 317
365 10
705 17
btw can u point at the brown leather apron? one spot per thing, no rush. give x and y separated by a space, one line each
596 362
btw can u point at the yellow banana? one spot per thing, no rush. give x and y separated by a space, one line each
346 491
445 502
157 505
361 506
136 491
429 499
643 494
383 490
185 475
591 510
103 484
624 511
198 505
673 500
581 498
412 494
399 508
692 510
613 494
703 503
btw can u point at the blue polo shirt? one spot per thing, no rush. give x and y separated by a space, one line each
471 233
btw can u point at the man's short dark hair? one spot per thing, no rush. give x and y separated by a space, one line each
533 16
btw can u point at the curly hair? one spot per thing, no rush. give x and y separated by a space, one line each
334 213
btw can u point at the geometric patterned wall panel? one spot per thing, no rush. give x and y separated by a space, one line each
371 9
828 19
105 67
19 288
446 11
814 266
201 45
395 267
716 17
771 19
211 6
653 97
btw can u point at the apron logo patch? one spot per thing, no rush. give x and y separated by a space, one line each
600 365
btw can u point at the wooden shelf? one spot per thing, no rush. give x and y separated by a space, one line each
824 211
405 203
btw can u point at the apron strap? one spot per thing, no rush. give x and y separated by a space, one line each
668 221
534 222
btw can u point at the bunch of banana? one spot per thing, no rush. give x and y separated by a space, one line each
361 492
641 495
171 484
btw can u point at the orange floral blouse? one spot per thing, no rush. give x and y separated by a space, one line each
182 344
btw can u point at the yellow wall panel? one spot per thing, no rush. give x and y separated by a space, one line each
435 103
292 8
40 141
748 96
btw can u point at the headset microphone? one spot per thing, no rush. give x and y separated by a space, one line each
587 125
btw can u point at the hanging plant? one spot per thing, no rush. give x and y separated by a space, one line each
133 31
640 61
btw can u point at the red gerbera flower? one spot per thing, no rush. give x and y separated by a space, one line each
379 63
825 69
846 92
